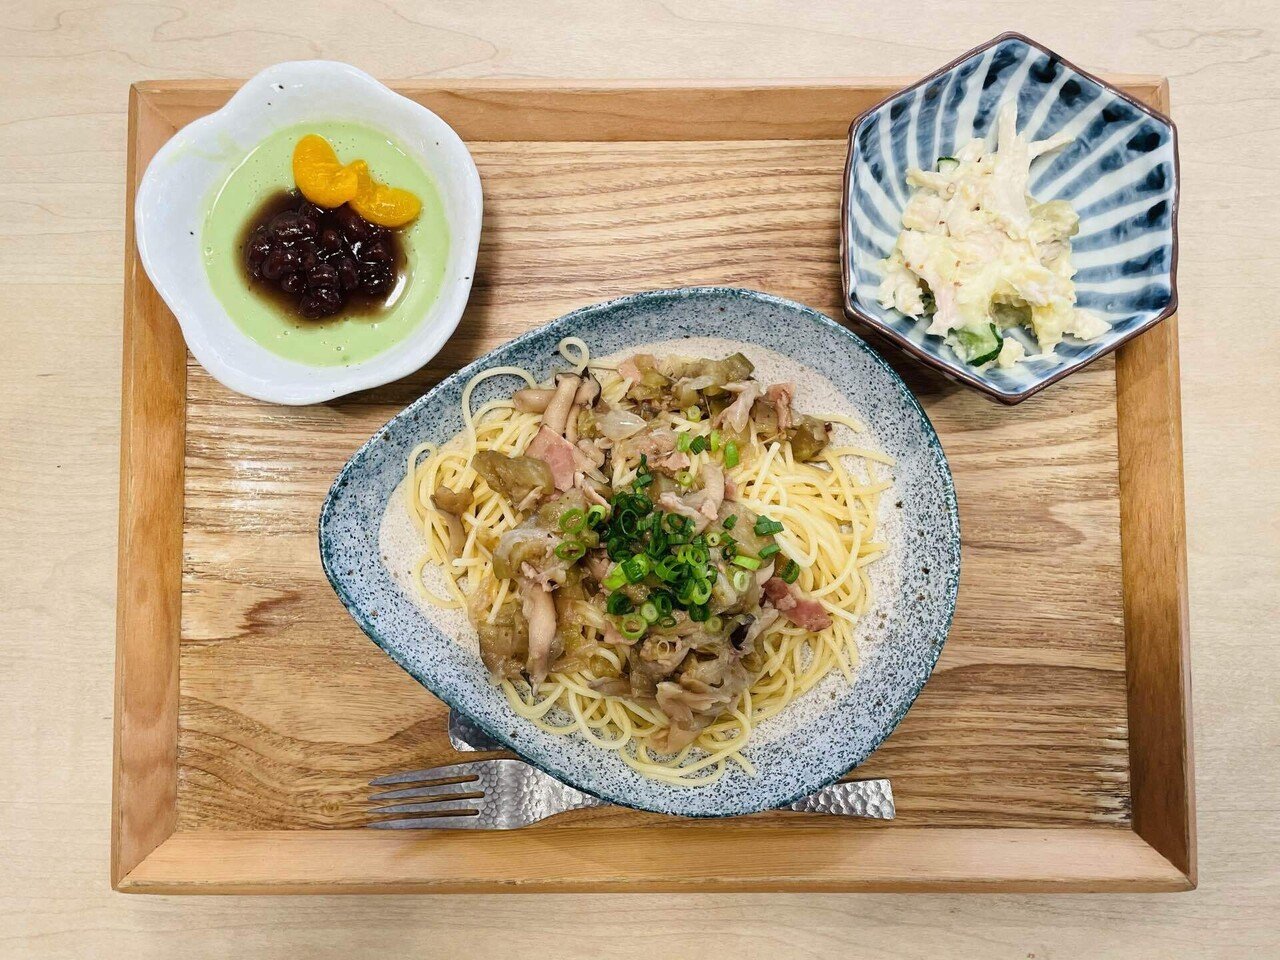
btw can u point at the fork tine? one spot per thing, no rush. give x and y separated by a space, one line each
430 773
443 790
433 806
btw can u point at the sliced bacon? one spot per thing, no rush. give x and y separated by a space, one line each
564 459
795 606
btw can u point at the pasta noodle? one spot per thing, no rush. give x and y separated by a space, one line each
828 507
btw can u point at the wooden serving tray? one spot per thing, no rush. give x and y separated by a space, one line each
1050 751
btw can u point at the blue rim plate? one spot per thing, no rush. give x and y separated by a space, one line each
816 740
1120 174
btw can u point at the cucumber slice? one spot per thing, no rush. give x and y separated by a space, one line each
976 347
946 164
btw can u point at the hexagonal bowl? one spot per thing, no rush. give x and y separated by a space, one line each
1120 174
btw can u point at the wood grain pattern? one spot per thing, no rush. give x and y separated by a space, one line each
1154 547
672 856
64 113
1024 721
151 496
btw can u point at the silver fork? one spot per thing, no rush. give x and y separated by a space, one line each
505 794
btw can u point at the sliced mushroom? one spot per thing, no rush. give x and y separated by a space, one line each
539 610
451 504
532 399
556 416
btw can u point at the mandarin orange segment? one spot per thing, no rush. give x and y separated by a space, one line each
378 203
320 176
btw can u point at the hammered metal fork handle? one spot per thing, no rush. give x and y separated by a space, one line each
860 798
863 798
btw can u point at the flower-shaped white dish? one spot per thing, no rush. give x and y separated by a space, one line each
186 173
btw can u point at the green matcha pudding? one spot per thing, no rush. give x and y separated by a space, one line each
319 285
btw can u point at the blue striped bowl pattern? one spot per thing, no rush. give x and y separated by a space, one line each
1120 174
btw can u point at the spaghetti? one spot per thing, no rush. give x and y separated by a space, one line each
823 506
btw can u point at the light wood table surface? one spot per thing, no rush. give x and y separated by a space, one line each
65 68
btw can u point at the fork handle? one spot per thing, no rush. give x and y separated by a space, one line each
858 798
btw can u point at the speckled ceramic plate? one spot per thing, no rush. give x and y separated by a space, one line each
1120 173
819 737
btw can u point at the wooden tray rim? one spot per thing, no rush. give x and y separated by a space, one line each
148 855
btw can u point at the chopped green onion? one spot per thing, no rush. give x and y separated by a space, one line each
636 568
766 526
668 570
698 445
699 592
715 441
684 478
597 514
633 626
741 580
571 521
790 572
714 624
570 550
699 613
618 603
667 621
713 539
642 480
729 521
617 548
731 454
678 524
769 551
662 600
683 442
650 612
748 562
694 414
615 578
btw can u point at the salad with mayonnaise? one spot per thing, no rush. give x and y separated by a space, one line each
978 255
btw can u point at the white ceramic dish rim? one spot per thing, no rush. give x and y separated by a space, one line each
172 257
